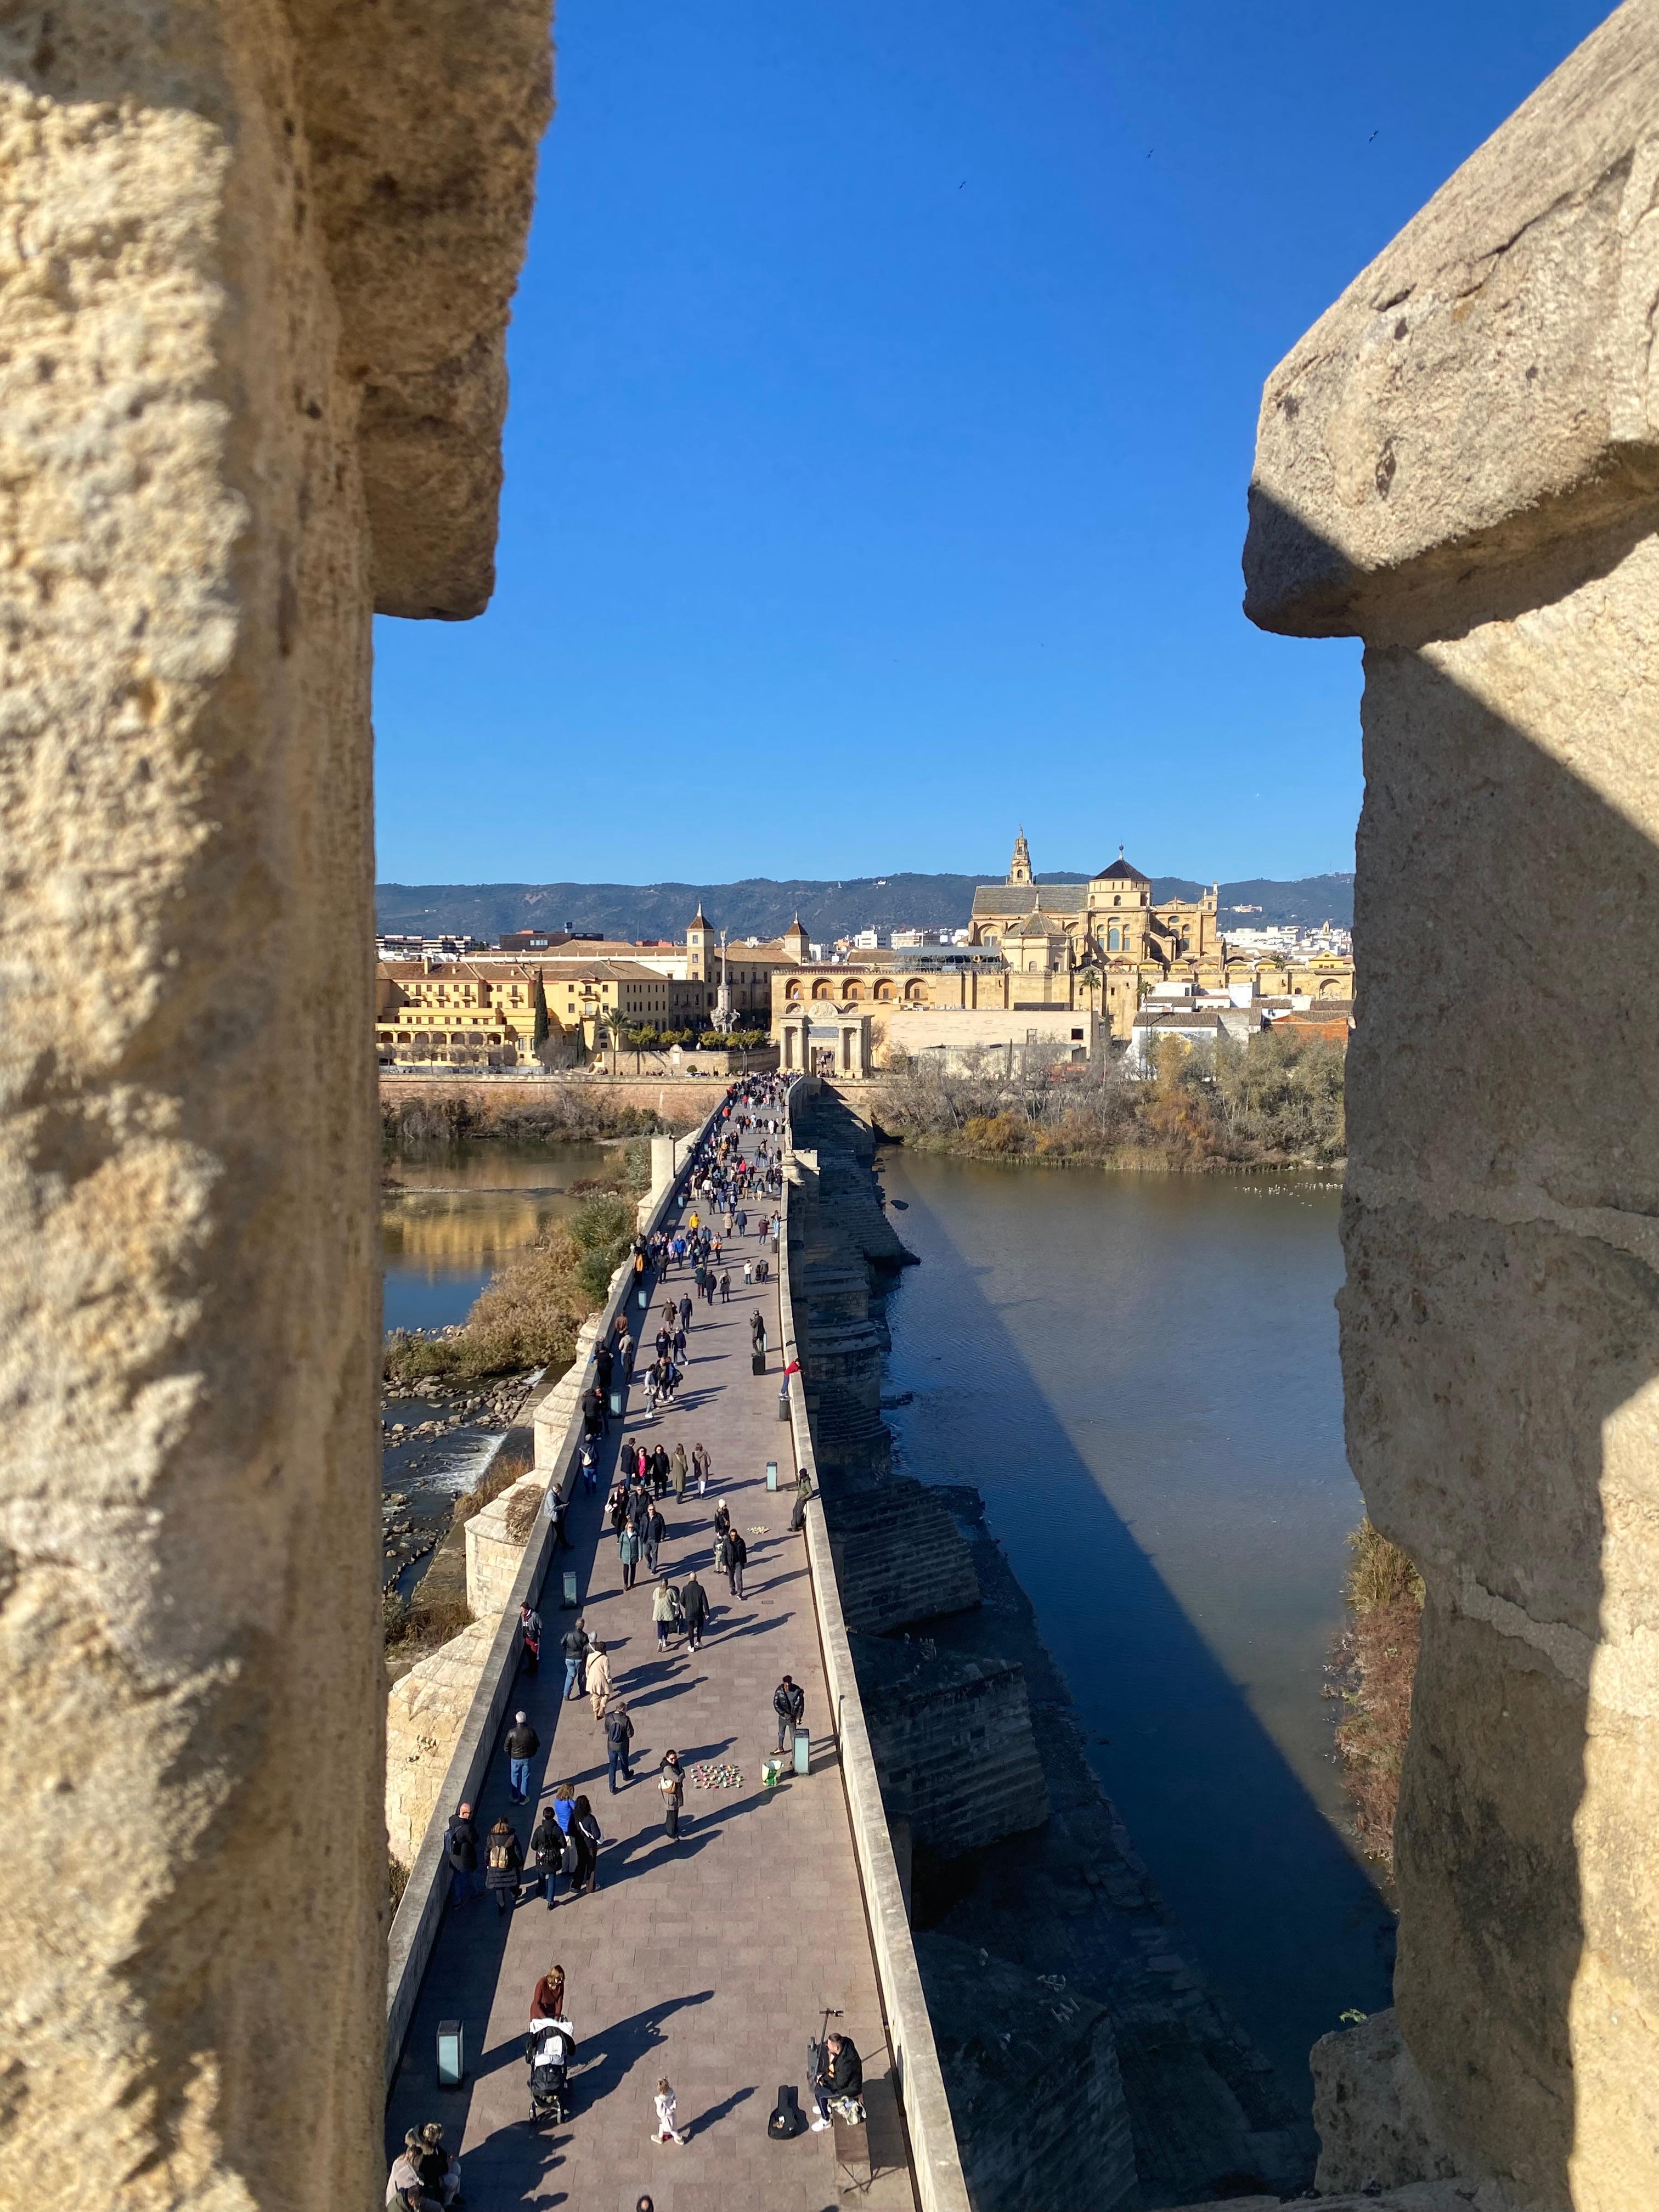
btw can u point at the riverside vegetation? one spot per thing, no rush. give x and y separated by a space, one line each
573 1113
527 1315
1373 1666
1274 1101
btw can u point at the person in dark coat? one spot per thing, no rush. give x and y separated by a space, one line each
841 2074
694 1604
789 1703
737 1558
670 1781
503 1864
547 1849
618 1735
522 1745
586 1835
654 1530
461 1849
573 1645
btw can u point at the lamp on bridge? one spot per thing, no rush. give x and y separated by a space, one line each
771 1474
452 2054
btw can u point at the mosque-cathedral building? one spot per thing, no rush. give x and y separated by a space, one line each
1077 960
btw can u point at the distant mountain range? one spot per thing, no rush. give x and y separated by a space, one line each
758 907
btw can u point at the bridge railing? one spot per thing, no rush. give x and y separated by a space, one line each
936 2158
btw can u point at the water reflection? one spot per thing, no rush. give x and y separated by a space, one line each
1140 1374
452 1216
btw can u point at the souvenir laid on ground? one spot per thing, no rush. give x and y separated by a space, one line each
717 1777
758 1528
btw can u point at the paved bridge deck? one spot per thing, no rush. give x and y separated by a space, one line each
711 1959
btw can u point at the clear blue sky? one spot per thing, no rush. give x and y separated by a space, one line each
884 380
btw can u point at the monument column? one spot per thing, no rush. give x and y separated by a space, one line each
1459 464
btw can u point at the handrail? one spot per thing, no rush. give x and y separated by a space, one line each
941 2185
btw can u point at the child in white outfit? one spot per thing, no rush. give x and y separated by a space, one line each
667 2131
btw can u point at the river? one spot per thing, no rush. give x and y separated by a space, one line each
1140 1374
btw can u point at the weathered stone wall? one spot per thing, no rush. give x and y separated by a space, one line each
229 364
1461 463
953 1743
1034 2088
495 1537
425 1714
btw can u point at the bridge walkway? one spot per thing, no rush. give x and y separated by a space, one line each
710 1959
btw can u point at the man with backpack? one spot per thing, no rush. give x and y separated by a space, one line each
618 1735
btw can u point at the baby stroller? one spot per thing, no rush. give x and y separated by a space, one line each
549 2049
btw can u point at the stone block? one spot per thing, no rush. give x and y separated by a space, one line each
952 1741
493 1555
425 1713
1372 2112
1032 2075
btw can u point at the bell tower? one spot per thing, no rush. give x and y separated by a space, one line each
1020 870
697 948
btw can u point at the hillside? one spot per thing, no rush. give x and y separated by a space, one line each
758 907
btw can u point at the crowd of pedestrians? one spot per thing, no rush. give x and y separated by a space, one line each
738 1169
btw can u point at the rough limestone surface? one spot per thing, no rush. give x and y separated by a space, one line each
1500 1322
425 1714
1371 2113
1489 381
494 1551
191 1691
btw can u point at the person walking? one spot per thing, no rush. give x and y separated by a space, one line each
694 1604
627 1551
586 1835
573 1645
618 1735
461 1849
670 1782
685 1309
726 1286
681 1473
547 1998
503 1864
530 1624
789 1703
655 1530
668 2130
590 1467
547 1849
664 1611
702 1467
598 1679
555 1511
522 1745
736 1558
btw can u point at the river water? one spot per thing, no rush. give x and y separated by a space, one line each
1140 1375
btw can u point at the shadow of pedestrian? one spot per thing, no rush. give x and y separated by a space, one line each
608 2056
727 2105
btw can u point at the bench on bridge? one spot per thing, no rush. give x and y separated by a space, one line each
877 2146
